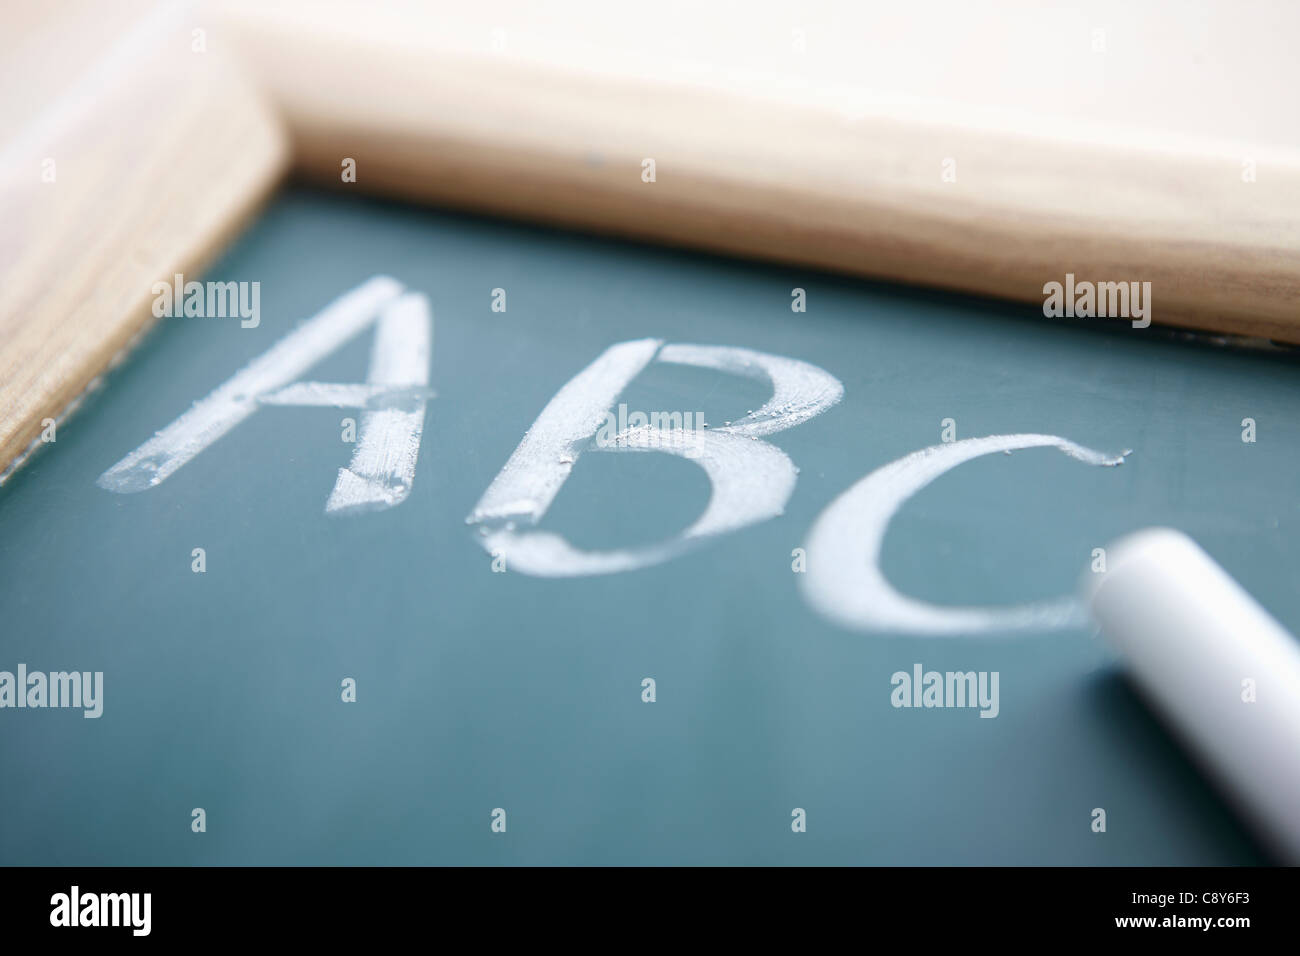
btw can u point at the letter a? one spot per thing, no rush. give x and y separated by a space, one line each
392 399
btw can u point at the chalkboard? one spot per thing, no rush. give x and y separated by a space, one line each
502 716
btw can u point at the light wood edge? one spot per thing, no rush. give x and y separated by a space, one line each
140 193
136 202
791 183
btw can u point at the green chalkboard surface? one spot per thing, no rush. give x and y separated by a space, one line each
480 691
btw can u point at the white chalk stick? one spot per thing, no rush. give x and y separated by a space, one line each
1221 672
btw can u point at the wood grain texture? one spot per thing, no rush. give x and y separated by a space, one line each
159 153
859 192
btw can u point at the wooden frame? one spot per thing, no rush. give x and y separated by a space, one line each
163 154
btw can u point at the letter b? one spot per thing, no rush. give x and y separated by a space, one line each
750 479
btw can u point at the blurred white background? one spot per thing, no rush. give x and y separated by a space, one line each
1222 69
